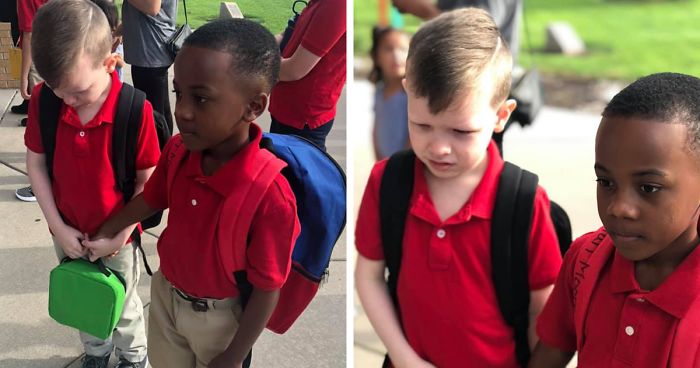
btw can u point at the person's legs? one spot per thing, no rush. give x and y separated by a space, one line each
167 348
129 337
154 82
97 351
23 108
316 136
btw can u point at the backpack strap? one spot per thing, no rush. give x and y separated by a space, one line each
125 135
237 215
510 234
685 350
589 263
394 197
50 108
175 153
127 123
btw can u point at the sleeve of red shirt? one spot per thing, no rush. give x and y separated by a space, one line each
368 234
555 325
148 150
26 9
155 191
269 254
32 134
326 27
544 256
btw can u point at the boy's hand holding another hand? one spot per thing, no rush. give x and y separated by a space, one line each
104 243
70 241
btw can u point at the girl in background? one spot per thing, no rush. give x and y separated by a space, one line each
389 51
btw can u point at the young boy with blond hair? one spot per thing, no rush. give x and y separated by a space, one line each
458 77
71 45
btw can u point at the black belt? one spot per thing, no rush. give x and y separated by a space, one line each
198 304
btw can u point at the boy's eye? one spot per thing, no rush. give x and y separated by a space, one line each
177 93
462 132
604 183
648 188
200 99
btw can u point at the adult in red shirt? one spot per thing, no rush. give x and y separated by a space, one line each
26 9
312 73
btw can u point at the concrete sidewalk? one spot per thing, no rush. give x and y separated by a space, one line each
559 147
30 339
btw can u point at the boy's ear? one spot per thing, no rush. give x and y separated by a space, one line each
256 106
110 63
503 114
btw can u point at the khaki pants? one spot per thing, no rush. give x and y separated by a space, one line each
33 79
179 336
129 337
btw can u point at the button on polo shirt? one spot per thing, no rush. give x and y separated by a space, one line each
448 304
84 187
625 325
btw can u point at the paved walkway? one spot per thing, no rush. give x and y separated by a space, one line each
30 339
559 147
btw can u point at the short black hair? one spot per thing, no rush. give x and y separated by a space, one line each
252 47
110 9
662 97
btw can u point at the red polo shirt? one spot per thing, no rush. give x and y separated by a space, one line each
26 10
625 326
311 100
83 186
188 247
449 309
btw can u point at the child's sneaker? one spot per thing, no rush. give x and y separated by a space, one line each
25 194
123 363
91 361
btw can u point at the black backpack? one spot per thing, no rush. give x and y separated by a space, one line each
510 229
127 122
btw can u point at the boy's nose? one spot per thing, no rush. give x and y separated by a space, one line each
70 100
182 112
440 148
622 208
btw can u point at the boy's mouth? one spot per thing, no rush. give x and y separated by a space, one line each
623 236
440 165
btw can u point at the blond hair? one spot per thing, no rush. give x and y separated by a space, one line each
453 53
62 31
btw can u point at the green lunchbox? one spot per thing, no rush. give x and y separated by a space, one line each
87 296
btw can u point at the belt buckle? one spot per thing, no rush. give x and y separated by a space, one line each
200 305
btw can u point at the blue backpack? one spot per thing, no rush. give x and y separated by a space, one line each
319 185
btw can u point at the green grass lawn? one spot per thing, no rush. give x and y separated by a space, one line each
272 14
625 38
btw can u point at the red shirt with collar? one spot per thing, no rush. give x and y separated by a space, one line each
624 323
311 100
448 304
188 247
26 10
83 186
